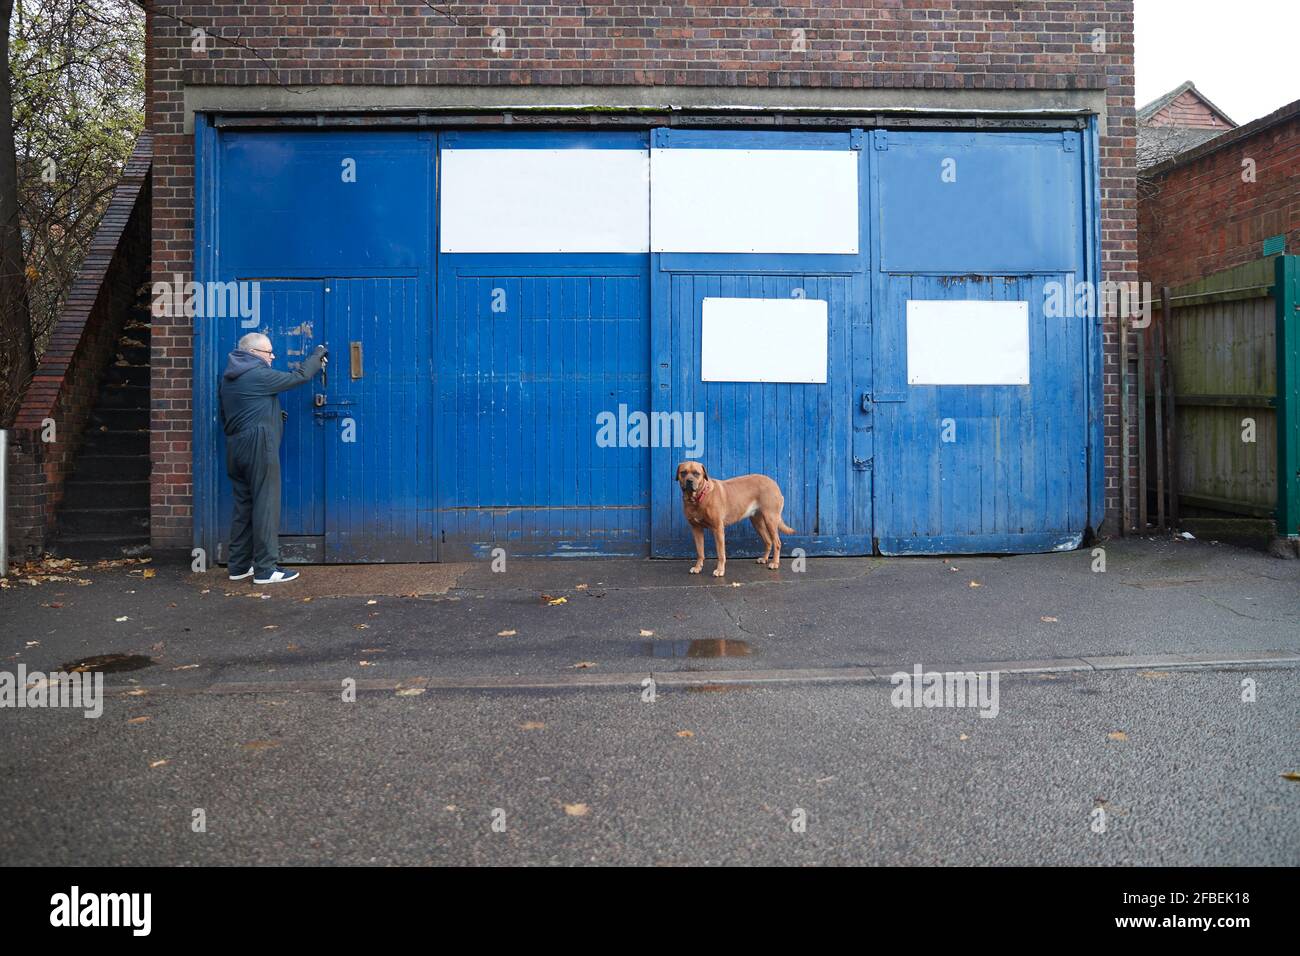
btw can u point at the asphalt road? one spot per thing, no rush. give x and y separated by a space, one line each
233 705
697 777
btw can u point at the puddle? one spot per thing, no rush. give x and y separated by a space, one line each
710 647
109 663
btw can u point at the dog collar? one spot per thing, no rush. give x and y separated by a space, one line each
701 493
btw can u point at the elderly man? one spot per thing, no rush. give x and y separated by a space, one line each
253 422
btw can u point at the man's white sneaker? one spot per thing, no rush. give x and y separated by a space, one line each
240 577
278 576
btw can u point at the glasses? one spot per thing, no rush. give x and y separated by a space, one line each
264 352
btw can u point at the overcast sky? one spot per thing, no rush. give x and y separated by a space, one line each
1244 55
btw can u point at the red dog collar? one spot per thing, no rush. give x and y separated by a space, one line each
701 493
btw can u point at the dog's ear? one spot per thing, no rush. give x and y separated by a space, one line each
705 470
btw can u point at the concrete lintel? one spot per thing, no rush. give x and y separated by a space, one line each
341 98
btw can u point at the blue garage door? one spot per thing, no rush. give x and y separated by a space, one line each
525 329
981 400
534 347
809 432
335 230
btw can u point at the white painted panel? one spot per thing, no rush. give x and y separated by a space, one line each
754 200
967 343
763 340
545 200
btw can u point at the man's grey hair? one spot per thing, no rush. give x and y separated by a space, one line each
254 340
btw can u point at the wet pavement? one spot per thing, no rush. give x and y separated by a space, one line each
592 617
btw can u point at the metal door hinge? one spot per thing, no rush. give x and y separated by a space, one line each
1067 141
882 140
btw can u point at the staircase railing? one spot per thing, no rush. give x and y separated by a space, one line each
48 428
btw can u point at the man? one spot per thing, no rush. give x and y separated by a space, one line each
253 422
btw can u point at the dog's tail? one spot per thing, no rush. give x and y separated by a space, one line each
785 528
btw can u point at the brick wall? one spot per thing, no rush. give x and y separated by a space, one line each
937 44
81 347
1198 215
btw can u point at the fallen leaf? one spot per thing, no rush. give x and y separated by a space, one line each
305 600
685 733
270 627
976 584
148 573
365 663
261 744
185 667
138 720
138 692
585 664
1291 775
121 619
559 600
964 737
372 601
32 644
410 691
532 725
292 647
576 809
1048 620
157 763
735 584
645 633
580 587
363 627
506 633
1117 735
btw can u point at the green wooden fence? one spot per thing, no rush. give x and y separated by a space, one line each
1233 344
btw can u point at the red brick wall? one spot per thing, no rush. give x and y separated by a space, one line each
1198 216
937 44
81 347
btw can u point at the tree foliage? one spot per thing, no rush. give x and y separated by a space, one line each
78 102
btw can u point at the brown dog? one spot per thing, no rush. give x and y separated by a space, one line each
712 503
